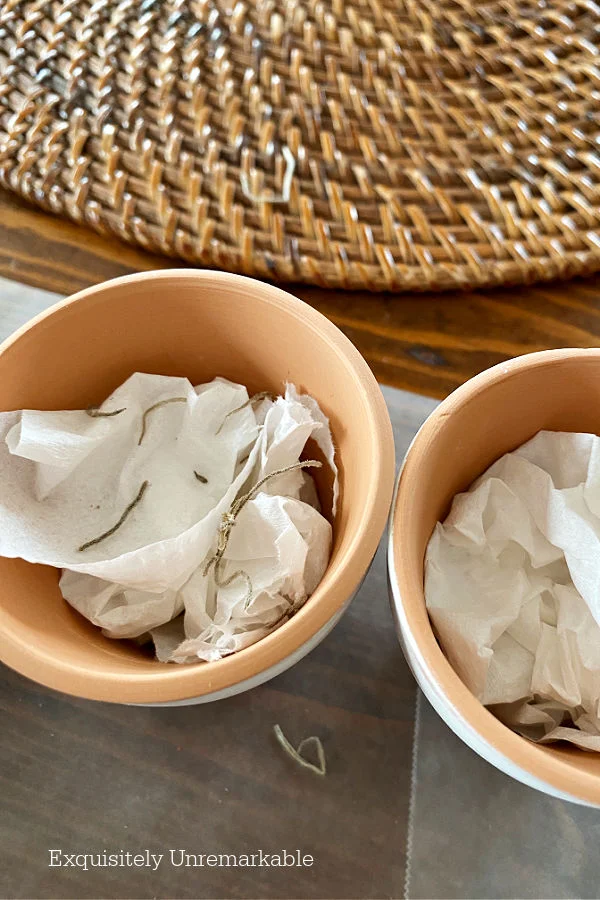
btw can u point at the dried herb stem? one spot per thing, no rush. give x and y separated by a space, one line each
95 412
127 511
200 477
256 398
296 754
228 520
157 406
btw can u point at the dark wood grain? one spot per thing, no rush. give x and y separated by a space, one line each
429 343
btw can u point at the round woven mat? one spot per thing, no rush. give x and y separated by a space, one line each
382 144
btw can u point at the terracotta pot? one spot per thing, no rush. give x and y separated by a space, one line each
196 324
491 414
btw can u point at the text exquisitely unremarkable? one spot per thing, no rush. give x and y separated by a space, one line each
178 859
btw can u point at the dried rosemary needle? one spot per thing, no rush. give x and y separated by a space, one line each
296 753
96 413
126 512
256 398
157 406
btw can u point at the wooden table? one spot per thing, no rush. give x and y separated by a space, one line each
87 777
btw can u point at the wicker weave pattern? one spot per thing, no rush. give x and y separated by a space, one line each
434 143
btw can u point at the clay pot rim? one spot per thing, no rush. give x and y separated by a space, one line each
406 584
179 683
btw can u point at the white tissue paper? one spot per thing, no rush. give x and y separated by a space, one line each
67 477
512 586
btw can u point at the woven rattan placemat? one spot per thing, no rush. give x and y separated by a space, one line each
382 144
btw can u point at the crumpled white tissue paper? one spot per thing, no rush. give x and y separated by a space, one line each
512 586
67 477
